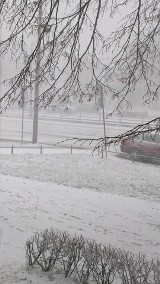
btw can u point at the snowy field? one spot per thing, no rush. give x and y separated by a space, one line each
115 175
111 200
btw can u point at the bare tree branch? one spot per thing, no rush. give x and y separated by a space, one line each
133 50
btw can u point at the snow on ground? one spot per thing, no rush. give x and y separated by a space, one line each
29 206
32 201
111 174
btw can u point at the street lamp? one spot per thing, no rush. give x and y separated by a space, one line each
101 93
22 105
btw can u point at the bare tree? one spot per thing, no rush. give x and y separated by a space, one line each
133 50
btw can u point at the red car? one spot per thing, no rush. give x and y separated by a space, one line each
148 146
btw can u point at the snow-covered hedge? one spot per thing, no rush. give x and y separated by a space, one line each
88 260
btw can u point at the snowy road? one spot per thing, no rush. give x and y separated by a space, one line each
51 132
88 117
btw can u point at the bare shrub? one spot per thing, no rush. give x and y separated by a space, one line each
135 269
85 266
34 248
72 254
156 271
105 264
89 260
46 248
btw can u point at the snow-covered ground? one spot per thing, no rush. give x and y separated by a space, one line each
111 174
111 200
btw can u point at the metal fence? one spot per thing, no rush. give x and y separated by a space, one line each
103 153
40 149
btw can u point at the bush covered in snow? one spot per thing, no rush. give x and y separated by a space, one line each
88 260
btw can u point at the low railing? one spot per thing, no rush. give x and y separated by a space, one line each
41 149
13 149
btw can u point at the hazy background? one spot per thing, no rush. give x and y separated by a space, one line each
106 25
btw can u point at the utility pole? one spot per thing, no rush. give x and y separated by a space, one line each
36 104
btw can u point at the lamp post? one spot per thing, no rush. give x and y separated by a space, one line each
101 93
22 105
36 107
104 121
